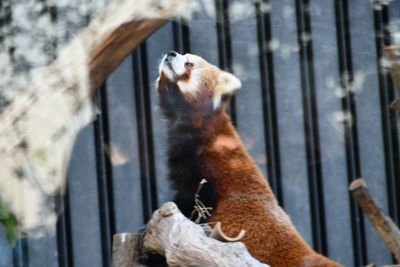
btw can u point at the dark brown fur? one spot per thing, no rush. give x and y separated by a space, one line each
204 144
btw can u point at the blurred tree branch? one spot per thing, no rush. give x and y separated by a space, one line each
38 129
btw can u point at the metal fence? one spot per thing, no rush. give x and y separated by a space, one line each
313 112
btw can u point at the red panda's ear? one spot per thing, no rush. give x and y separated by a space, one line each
226 84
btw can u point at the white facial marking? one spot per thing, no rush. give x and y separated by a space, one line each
172 66
193 84
217 100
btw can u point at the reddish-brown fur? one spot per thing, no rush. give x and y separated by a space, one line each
244 199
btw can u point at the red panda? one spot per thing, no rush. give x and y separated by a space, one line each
203 143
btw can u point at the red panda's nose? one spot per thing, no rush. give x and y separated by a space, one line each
172 53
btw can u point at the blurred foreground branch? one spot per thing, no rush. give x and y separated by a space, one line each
386 228
182 242
38 129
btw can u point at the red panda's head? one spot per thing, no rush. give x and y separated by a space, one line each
188 83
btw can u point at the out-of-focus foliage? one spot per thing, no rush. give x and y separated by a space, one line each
10 224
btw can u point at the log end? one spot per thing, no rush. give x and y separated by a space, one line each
168 209
126 250
356 184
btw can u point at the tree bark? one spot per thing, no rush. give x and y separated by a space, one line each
126 250
38 129
386 228
185 243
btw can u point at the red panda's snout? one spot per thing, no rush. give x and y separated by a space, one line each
173 65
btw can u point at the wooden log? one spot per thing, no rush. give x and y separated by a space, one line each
38 129
393 55
126 250
386 228
185 243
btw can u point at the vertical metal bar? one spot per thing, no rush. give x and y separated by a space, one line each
350 128
225 45
389 117
148 123
64 235
145 183
268 100
223 34
185 36
145 134
180 32
146 105
304 34
20 253
177 36
104 177
21 250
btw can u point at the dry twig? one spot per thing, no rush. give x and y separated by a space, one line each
386 228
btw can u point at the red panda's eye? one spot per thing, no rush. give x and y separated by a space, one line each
188 64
